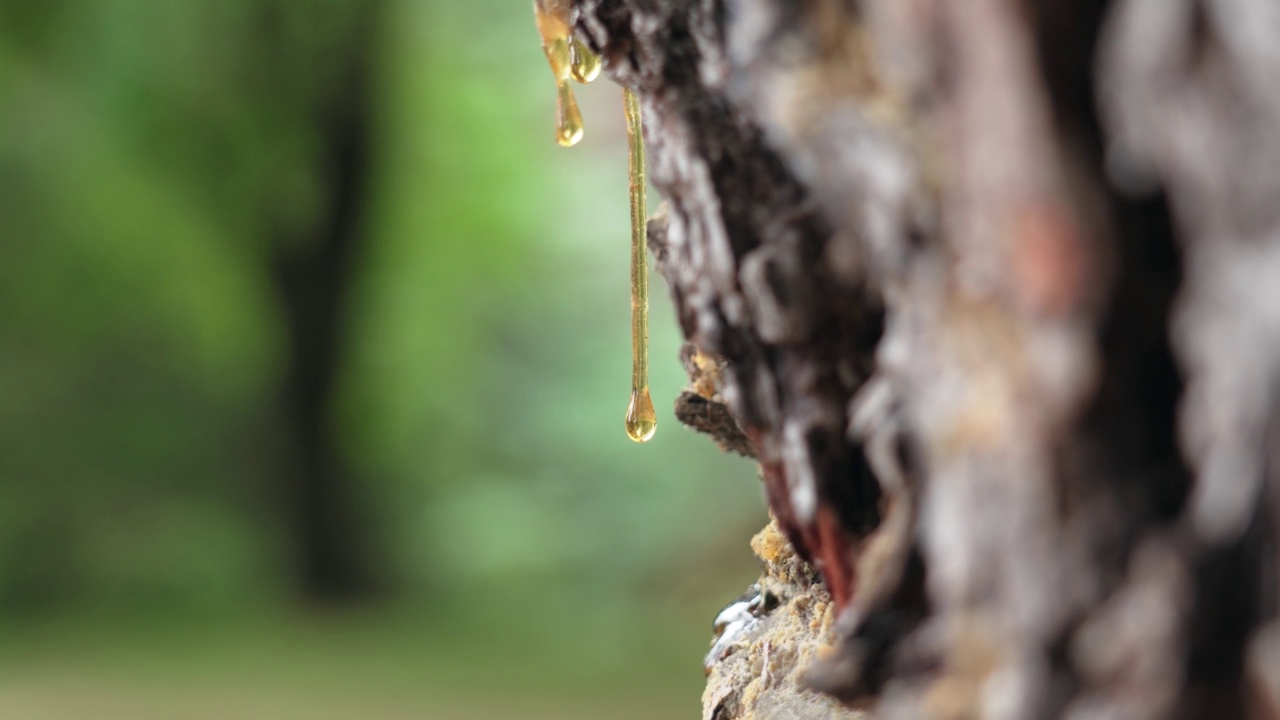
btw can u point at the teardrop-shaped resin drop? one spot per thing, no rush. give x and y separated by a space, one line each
585 64
557 43
642 421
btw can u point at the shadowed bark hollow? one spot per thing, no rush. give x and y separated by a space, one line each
991 290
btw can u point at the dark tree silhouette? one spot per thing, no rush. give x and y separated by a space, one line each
314 268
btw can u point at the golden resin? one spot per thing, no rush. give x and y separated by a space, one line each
641 420
584 64
569 60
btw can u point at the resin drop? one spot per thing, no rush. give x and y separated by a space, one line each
642 421
552 17
584 64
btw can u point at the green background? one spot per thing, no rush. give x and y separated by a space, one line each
509 552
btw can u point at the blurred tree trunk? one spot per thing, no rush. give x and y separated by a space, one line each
993 288
314 265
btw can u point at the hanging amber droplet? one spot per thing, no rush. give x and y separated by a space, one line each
552 17
584 63
642 422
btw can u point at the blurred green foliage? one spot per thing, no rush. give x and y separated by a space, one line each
154 156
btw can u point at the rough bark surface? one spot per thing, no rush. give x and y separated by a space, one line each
992 291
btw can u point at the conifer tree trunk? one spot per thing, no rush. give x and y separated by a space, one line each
991 289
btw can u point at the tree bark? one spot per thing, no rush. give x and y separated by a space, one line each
991 289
